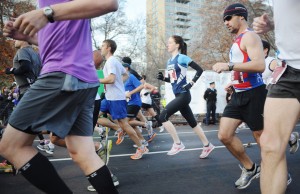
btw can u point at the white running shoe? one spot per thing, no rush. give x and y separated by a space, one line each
161 129
176 149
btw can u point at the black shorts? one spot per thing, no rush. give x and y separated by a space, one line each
146 106
288 86
132 111
248 106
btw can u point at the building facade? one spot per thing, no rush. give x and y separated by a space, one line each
171 17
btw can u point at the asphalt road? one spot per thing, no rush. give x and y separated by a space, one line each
159 173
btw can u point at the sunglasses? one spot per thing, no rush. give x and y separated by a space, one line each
228 18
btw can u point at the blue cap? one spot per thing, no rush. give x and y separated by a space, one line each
126 65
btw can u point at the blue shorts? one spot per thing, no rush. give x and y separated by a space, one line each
104 106
117 109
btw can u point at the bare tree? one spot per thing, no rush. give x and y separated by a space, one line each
128 34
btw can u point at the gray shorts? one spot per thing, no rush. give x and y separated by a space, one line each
46 106
288 86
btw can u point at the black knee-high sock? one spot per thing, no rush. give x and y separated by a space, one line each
102 182
157 119
34 172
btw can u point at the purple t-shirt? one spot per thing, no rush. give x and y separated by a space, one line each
66 46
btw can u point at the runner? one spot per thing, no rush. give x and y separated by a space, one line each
176 75
115 94
247 101
282 108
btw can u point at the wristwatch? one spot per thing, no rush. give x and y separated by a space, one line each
230 66
48 12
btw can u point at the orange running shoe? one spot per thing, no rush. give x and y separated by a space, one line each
139 153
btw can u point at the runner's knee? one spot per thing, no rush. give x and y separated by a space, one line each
163 117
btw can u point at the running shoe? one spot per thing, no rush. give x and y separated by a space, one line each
91 188
247 176
294 145
161 129
115 180
289 180
49 150
207 150
144 143
99 130
176 149
149 127
42 147
140 129
121 136
139 153
104 151
151 137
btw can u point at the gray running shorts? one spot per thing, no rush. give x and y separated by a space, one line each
288 86
45 106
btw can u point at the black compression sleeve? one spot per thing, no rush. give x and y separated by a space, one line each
198 69
167 79
24 68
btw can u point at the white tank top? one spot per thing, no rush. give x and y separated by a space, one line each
267 73
287 29
145 99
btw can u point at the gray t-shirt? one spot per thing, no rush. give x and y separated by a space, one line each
27 54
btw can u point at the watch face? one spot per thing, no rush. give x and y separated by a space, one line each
48 11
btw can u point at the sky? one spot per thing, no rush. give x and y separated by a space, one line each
135 8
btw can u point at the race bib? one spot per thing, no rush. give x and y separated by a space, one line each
171 72
278 71
237 77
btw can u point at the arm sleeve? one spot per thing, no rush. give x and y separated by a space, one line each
198 69
24 67
167 79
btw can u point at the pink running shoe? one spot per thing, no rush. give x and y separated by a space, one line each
207 150
176 149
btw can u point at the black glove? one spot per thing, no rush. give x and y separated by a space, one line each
9 70
146 93
188 86
160 76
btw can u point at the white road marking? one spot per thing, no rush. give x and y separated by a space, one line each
158 152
